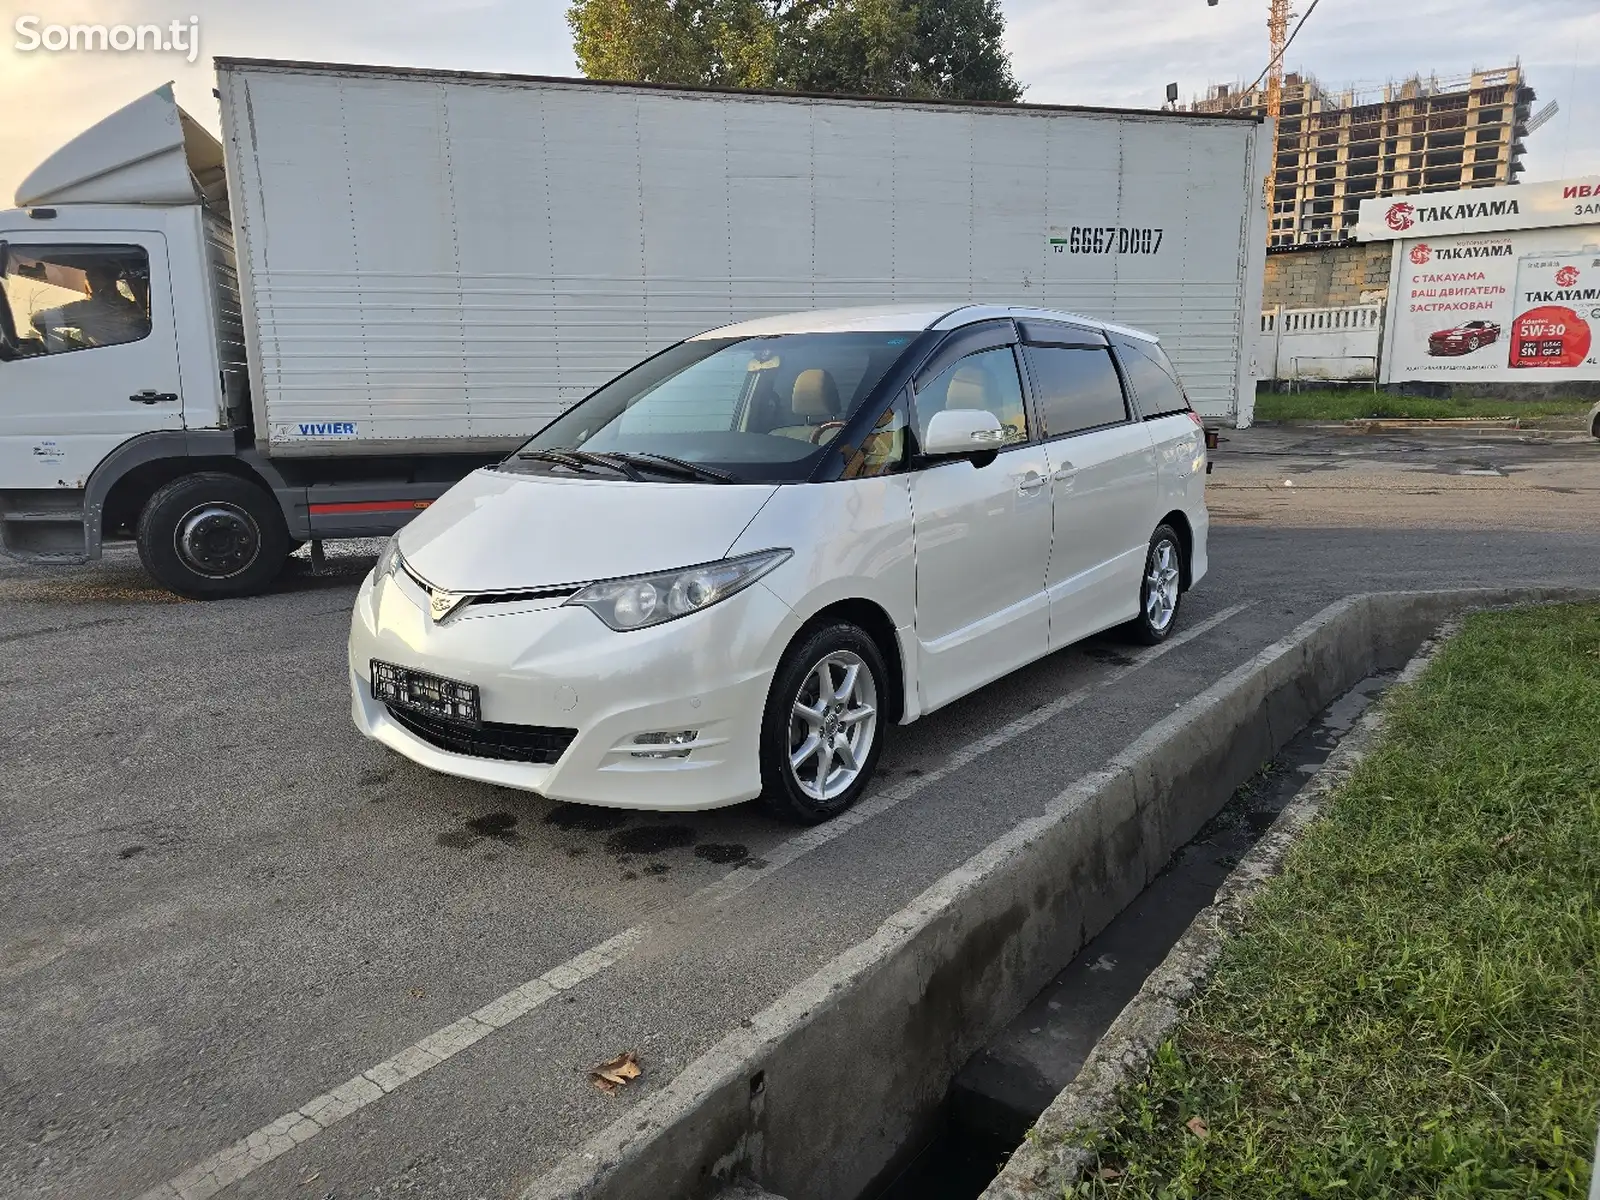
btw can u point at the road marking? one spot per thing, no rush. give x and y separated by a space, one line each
210 1176
207 1178
787 852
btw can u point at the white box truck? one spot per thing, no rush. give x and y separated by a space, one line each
383 278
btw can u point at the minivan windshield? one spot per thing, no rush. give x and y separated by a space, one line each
745 410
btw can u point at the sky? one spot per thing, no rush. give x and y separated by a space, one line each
1064 51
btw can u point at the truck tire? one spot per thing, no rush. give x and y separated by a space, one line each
212 536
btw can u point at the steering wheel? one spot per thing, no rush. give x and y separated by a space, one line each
816 434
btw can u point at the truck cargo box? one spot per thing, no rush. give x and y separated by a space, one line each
438 261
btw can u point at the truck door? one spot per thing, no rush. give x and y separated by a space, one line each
92 354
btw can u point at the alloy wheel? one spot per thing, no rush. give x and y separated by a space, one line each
833 720
1161 585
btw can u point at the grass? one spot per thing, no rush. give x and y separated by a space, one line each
1414 1006
1350 404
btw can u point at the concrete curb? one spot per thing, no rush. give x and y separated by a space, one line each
1059 1146
824 1093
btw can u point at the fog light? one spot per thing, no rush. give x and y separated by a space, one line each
681 738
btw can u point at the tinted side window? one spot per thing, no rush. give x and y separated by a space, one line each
1077 388
986 380
1155 382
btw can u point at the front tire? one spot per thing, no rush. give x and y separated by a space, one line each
211 536
823 725
1160 588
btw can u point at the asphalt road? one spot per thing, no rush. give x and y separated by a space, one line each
219 902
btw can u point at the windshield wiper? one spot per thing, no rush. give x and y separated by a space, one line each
685 470
582 460
559 457
617 462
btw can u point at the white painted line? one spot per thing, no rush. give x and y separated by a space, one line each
879 803
205 1179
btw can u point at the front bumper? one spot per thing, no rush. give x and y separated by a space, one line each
542 664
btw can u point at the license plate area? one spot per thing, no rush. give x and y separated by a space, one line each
431 695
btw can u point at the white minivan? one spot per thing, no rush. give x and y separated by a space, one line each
725 573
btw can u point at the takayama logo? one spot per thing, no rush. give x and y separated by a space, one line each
1567 277
1400 217
1421 253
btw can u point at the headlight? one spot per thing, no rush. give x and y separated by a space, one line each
647 600
388 561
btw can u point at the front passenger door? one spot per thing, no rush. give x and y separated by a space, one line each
982 537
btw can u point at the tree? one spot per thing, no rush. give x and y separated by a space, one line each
939 49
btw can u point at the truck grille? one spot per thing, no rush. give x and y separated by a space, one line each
509 743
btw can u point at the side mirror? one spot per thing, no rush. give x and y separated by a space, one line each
963 431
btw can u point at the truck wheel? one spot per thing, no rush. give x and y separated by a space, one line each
212 536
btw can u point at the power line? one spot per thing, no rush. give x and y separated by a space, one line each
1278 57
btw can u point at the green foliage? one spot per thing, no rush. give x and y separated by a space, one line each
928 50
1355 403
1414 1008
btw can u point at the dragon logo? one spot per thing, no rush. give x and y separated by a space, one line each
1421 253
1567 277
1400 217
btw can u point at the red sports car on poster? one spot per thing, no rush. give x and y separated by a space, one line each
1463 339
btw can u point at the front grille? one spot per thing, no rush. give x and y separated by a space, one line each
508 743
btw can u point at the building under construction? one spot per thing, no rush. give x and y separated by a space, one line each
1337 149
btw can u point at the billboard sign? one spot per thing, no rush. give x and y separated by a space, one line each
1514 307
1480 210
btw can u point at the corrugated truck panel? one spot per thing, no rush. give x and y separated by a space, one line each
439 260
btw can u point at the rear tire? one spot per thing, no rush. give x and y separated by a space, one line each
212 536
1160 589
820 741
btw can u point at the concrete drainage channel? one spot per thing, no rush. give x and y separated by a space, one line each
1005 1086
835 1089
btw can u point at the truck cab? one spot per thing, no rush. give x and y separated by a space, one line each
125 410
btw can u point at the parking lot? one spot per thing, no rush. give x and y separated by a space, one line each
222 903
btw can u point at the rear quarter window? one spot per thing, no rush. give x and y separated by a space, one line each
1154 380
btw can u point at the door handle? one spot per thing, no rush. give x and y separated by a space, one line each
1030 483
149 396
1065 471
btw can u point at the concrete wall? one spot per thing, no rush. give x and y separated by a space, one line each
1331 277
1320 343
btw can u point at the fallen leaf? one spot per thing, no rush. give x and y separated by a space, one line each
1110 1173
1503 841
417 993
609 1076
311 1178
1197 1127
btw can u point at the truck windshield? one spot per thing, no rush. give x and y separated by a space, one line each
749 410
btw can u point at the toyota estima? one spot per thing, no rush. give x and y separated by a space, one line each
727 572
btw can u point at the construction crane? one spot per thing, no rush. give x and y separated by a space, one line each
1278 38
1278 15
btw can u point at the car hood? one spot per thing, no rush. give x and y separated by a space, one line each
1439 333
496 531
